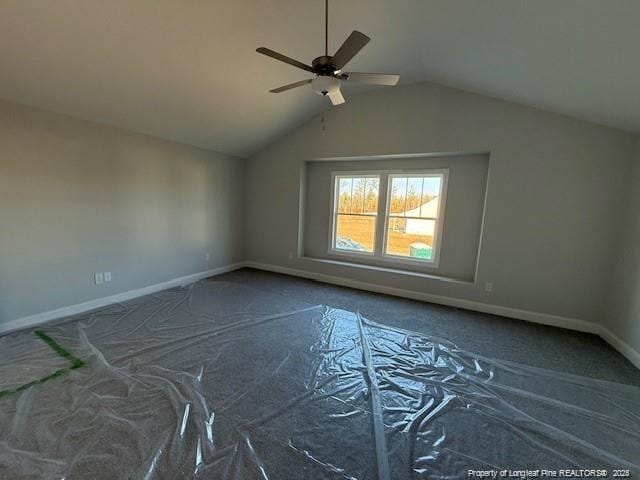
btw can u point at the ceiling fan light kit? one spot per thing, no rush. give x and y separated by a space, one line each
328 69
323 85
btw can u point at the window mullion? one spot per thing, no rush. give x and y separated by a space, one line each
381 220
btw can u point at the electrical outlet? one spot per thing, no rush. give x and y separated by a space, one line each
488 287
107 277
207 257
290 255
99 278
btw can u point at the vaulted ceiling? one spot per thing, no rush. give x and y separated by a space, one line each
187 69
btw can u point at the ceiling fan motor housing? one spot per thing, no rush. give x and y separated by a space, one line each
323 85
323 65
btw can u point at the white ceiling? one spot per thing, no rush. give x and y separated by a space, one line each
187 69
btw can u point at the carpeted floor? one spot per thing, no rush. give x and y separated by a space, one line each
497 337
252 375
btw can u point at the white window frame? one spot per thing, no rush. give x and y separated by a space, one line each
439 219
382 218
334 214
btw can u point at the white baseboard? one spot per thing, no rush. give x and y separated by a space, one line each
39 318
544 318
620 345
536 317
530 316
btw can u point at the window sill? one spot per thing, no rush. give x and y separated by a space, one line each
396 271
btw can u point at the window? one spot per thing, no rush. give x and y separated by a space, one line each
355 213
400 222
412 215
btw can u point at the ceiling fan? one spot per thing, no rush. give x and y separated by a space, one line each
328 69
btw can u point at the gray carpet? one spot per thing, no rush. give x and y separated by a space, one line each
252 375
491 335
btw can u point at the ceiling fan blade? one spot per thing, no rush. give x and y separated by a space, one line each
371 78
283 58
291 85
349 49
336 97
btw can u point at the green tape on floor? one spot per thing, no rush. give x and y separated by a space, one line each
56 347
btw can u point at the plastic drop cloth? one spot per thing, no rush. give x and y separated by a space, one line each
221 381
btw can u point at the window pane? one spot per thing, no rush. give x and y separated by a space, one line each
357 198
415 196
345 187
355 232
430 197
371 196
398 197
411 237
358 195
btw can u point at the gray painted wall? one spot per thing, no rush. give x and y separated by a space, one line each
623 317
554 198
462 212
78 198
